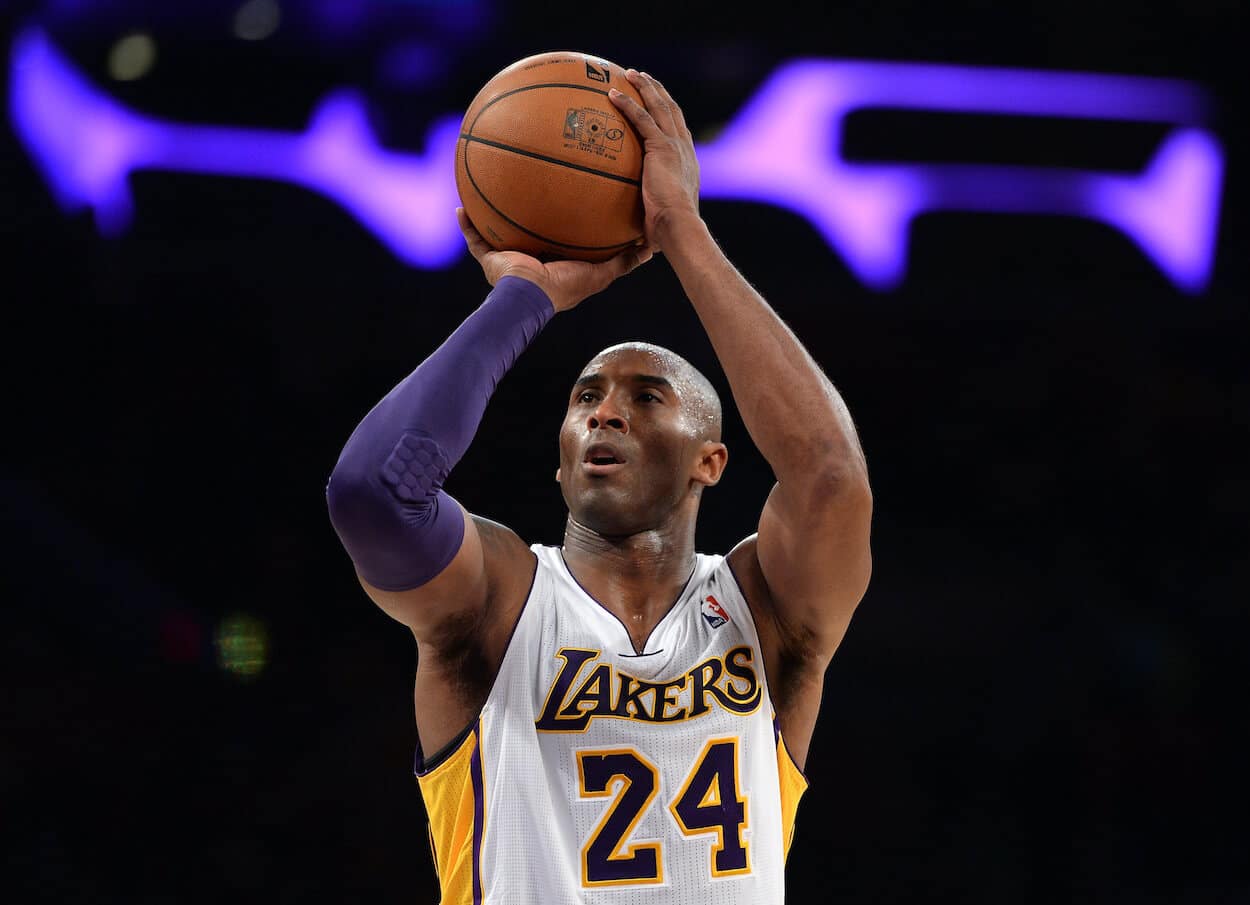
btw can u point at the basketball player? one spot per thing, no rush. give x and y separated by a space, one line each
620 719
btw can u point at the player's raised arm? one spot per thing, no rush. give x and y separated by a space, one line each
418 554
813 540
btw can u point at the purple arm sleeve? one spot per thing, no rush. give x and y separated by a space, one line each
385 494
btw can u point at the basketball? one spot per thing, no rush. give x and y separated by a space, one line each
546 164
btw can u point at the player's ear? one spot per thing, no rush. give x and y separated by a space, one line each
557 474
713 457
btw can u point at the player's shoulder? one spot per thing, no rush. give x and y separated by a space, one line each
711 568
497 536
742 558
744 563
549 556
508 560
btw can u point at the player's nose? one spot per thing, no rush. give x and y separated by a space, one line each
607 415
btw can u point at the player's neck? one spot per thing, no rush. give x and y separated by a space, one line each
637 576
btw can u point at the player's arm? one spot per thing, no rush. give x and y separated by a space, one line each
812 546
453 579
417 552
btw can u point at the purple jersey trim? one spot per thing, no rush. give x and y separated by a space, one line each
682 593
479 811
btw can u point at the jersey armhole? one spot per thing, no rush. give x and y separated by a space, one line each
423 766
793 783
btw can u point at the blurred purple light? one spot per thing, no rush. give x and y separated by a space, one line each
87 144
781 149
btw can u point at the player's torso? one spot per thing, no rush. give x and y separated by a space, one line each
600 775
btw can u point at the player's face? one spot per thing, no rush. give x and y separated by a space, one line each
627 447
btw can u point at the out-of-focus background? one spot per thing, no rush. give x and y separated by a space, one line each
1024 266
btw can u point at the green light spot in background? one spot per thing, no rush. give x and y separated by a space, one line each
242 645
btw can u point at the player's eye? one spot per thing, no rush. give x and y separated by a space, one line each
586 396
650 397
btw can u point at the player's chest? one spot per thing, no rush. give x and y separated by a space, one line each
692 669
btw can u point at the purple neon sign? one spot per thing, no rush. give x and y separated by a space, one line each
781 149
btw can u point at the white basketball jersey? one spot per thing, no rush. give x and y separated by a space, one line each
596 775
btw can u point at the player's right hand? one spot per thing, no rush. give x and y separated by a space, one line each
565 282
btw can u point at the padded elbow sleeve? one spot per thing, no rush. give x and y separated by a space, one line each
398 525
386 494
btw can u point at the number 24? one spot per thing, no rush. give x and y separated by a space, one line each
709 802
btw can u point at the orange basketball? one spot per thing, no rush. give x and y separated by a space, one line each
547 165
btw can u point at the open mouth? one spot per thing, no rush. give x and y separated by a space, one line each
602 459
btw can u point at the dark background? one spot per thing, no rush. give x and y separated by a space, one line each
1041 696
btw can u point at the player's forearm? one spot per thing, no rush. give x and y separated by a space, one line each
795 416
385 493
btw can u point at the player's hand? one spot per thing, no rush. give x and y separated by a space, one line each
565 282
670 167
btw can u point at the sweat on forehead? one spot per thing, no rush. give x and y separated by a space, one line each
701 398
657 354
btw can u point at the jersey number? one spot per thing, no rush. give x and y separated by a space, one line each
709 802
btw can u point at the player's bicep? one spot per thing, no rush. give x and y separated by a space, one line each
814 554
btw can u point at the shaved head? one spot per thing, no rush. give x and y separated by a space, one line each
699 398
640 440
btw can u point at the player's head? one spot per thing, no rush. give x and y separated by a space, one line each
640 440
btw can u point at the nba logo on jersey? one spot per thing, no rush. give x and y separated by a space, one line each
713 612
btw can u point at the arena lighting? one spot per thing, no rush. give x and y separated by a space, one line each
86 145
782 148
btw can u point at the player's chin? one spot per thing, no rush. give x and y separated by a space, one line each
606 511
603 496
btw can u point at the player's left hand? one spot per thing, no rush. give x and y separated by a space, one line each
566 282
670 167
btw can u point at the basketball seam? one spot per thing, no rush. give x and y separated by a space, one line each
469 136
573 85
529 232
543 157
